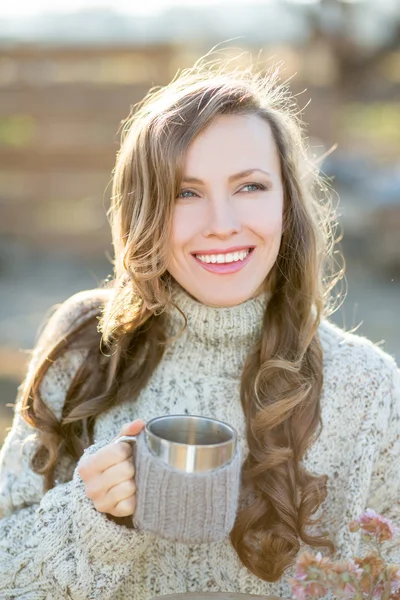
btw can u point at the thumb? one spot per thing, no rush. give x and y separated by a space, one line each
133 428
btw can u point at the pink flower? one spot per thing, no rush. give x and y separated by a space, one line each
366 578
378 591
393 574
306 561
349 590
346 577
311 576
307 590
298 590
374 525
372 568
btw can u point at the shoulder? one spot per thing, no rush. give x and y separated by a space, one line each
73 312
340 344
355 359
64 318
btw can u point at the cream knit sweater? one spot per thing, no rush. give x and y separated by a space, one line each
56 545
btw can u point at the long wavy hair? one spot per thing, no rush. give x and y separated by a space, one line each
122 328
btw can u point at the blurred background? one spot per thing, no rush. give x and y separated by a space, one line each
70 72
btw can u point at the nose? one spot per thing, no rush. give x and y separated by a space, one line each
223 219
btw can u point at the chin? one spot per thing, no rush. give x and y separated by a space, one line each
223 299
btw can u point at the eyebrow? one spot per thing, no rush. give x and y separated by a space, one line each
234 177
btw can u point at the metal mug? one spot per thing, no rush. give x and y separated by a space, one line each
189 443
187 473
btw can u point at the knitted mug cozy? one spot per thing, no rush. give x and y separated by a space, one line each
191 508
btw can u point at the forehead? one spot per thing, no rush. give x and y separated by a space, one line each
232 143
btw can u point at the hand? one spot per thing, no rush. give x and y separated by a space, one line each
109 474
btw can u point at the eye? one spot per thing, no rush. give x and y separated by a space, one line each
257 186
180 195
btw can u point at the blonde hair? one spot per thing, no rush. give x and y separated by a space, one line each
282 378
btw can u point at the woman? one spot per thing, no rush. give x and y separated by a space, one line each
218 307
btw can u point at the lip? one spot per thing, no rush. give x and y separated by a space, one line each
225 268
222 251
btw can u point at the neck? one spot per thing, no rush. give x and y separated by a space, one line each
216 340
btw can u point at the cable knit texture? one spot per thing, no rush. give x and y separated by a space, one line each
56 545
185 507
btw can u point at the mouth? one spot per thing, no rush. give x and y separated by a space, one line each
230 262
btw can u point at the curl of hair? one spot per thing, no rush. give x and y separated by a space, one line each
123 330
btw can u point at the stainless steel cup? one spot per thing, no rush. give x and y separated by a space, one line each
189 443
187 473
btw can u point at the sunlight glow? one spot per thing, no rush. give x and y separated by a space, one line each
25 8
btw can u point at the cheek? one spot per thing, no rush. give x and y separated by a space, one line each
183 229
266 220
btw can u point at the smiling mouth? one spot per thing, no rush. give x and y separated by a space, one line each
225 258
219 266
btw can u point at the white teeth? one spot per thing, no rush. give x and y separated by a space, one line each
223 258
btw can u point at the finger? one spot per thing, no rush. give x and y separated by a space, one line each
113 476
119 492
99 485
103 459
125 508
133 428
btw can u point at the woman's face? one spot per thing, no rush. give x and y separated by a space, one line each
231 200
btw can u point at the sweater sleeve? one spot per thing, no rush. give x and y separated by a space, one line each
56 544
384 490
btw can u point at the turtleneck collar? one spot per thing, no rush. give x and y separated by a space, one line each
217 340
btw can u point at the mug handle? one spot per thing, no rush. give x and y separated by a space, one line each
126 438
